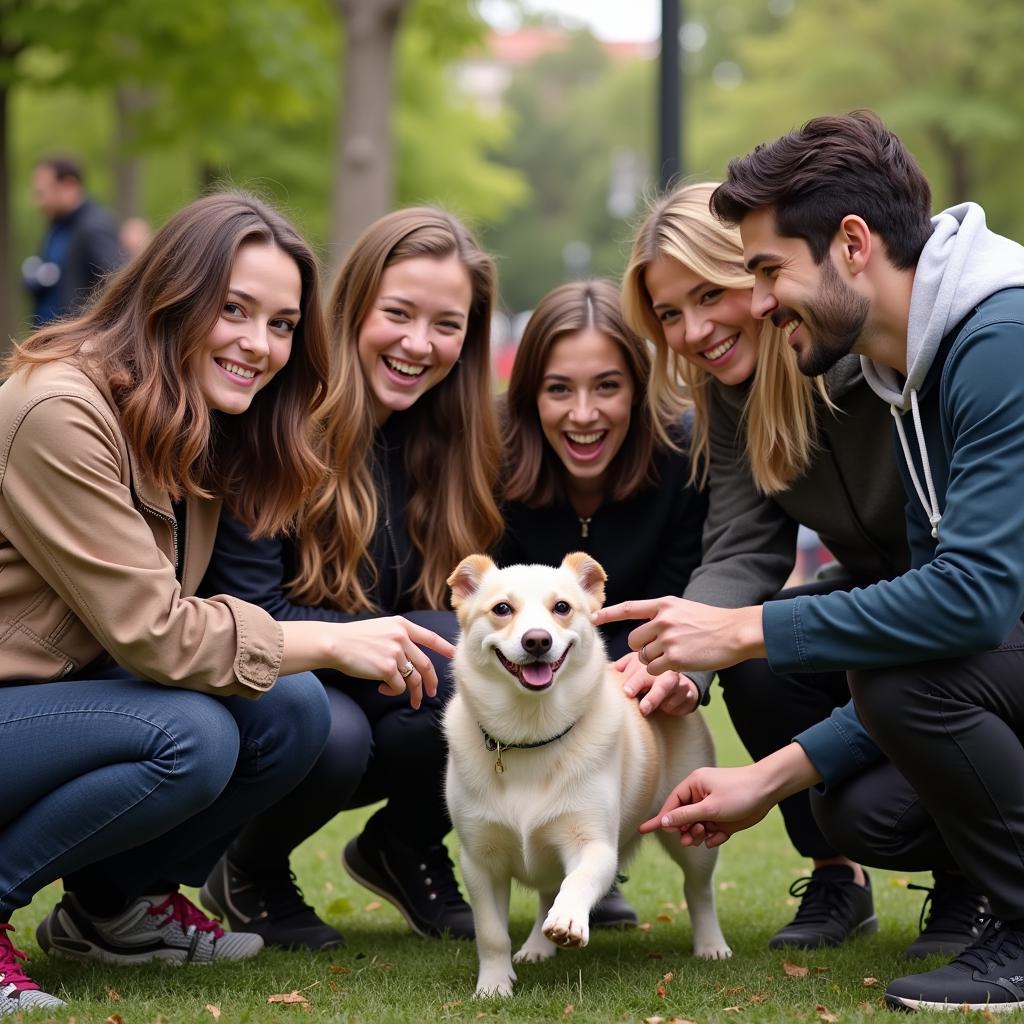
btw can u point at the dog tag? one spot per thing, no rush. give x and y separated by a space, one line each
498 766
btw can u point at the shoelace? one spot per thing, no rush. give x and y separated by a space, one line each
990 948
947 908
439 876
817 898
12 977
187 915
282 895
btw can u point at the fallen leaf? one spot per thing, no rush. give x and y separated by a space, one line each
868 982
654 1020
662 991
794 970
644 926
759 998
480 1016
726 885
114 1018
114 996
213 1011
328 885
733 1009
372 906
732 990
901 882
665 917
339 969
681 1020
823 1014
668 906
294 996
569 1010
791 901
822 970
667 978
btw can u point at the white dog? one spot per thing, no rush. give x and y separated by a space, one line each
551 767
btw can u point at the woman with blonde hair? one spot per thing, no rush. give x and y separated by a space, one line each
780 451
142 726
409 439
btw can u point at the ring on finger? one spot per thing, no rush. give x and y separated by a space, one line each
643 654
406 670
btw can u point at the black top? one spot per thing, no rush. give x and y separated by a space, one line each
648 544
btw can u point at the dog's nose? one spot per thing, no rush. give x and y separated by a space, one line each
536 641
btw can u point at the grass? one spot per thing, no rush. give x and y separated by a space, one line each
387 975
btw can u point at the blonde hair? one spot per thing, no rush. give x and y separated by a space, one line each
452 512
779 414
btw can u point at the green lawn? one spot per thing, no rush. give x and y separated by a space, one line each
386 974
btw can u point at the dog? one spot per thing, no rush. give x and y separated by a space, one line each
551 767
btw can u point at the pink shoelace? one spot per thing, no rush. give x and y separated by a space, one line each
187 914
10 968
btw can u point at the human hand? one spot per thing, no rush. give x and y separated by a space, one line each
671 692
384 649
681 635
712 804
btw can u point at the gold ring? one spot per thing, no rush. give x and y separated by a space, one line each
643 654
406 670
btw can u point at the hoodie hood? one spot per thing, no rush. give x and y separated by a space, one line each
962 264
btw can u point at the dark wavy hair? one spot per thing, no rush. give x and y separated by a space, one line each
830 168
138 338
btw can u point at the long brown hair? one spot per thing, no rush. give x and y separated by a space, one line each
779 414
138 339
536 475
451 455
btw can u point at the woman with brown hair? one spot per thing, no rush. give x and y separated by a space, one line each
121 693
410 441
781 451
593 465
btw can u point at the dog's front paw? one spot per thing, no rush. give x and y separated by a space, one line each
535 949
712 950
566 929
494 981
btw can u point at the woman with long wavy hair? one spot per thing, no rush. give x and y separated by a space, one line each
409 439
781 451
147 725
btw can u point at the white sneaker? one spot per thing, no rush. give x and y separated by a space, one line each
18 991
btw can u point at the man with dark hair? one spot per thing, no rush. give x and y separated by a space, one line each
80 246
845 259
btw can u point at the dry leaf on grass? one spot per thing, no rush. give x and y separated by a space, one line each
662 991
295 996
733 1009
822 970
732 990
868 982
667 978
114 1018
644 926
726 885
213 1011
900 882
569 1010
760 997
665 917
339 969
654 1020
824 1015
794 970
372 906
328 885
114 996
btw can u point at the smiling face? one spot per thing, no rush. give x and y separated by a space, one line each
252 338
708 325
413 334
821 315
585 405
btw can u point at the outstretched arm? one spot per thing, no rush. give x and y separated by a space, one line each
711 804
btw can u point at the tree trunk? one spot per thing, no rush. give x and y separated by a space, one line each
127 104
363 181
9 321
959 171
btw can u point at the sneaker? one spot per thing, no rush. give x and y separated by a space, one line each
833 908
987 975
167 928
267 904
951 917
419 882
17 990
613 911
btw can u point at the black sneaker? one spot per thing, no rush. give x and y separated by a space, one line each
419 882
613 911
951 917
269 904
833 908
987 975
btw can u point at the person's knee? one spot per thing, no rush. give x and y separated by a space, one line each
293 718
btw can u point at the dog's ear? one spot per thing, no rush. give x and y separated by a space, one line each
589 572
465 581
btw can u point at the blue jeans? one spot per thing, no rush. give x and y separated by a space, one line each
123 784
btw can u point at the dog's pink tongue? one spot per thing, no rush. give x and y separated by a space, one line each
537 673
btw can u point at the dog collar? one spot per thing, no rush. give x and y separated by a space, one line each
490 743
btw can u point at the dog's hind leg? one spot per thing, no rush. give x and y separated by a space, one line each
698 864
538 946
590 871
489 892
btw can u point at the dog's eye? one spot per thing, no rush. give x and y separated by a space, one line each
562 608
502 609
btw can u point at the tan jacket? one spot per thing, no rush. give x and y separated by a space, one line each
88 552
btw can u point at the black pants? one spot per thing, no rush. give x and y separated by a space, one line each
953 794
768 710
378 748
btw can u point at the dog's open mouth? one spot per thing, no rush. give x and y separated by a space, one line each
534 675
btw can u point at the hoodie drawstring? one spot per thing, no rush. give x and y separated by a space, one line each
931 503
